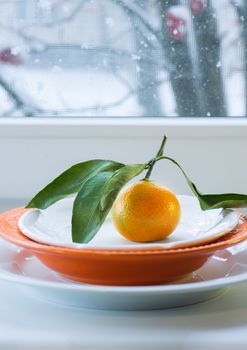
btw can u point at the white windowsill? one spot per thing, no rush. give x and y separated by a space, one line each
115 127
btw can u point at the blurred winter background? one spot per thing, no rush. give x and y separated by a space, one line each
127 58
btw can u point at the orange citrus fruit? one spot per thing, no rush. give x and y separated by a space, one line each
145 212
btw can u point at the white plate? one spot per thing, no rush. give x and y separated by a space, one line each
53 226
224 269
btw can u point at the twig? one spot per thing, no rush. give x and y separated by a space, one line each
19 102
134 10
123 80
100 108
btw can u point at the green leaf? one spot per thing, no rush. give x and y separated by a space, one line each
117 181
213 201
70 182
95 199
86 218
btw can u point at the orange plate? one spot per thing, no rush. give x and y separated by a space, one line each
118 267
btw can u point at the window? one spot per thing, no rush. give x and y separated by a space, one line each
123 58
64 62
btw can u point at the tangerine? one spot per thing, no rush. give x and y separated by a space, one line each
145 212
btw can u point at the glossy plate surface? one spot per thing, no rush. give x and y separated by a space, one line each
53 226
222 270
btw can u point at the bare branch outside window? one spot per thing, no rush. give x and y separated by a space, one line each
123 58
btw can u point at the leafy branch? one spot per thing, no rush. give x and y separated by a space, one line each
97 184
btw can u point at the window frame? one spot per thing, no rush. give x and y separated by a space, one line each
121 126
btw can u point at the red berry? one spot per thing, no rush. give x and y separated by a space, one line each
197 6
7 56
176 26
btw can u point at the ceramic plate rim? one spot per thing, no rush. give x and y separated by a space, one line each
220 282
24 242
169 246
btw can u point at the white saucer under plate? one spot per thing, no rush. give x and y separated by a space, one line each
223 270
53 226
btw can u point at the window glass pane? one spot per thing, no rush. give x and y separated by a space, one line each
128 58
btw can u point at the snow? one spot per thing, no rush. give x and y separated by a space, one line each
57 90
67 89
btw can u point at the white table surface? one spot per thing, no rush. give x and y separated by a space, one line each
27 323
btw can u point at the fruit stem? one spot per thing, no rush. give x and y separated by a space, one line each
154 160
